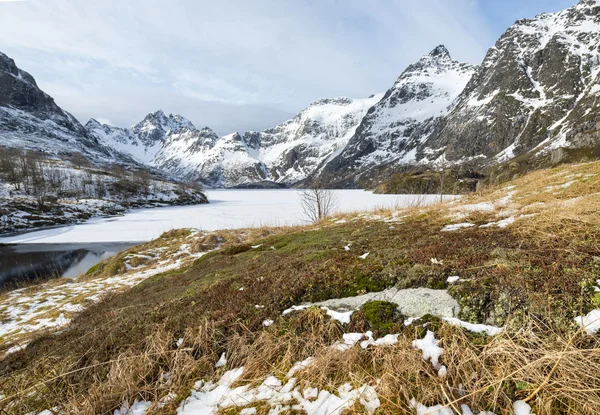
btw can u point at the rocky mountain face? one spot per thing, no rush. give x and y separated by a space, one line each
29 118
536 89
397 126
535 97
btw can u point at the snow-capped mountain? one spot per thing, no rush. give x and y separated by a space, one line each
30 119
220 162
145 139
395 127
536 90
286 153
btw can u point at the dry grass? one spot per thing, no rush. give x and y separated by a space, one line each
555 370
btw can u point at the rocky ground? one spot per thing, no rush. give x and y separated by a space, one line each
486 304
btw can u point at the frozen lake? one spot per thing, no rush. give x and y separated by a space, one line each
228 209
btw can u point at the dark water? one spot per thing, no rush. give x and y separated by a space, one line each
22 263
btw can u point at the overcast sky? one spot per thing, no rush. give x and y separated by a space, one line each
237 65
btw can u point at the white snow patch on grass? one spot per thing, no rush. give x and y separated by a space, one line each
590 322
429 346
522 408
501 223
457 226
209 398
222 361
138 408
299 366
349 340
430 410
475 328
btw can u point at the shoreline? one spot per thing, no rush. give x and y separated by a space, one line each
98 214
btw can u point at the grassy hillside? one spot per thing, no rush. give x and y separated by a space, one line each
527 258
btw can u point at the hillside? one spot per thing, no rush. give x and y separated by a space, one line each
532 101
464 307
31 120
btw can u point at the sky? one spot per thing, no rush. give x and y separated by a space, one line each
237 65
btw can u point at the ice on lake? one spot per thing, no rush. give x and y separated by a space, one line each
228 209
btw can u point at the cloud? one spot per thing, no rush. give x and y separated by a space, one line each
227 62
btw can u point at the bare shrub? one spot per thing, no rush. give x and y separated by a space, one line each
318 203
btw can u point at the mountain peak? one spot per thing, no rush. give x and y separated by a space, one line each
440 51
158 120
93 122
159 115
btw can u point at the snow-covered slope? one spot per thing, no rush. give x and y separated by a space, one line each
293 150
220 162
402 120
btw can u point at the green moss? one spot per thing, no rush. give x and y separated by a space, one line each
357 281
95 269
206 257
382 316
596 300
426 323
436 285
522 386
318 256
108 268
428 182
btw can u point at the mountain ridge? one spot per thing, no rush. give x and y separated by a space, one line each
535 97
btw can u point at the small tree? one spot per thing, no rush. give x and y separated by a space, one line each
144 179
441 165
9 166
193 184
56 180
318 202
100 188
